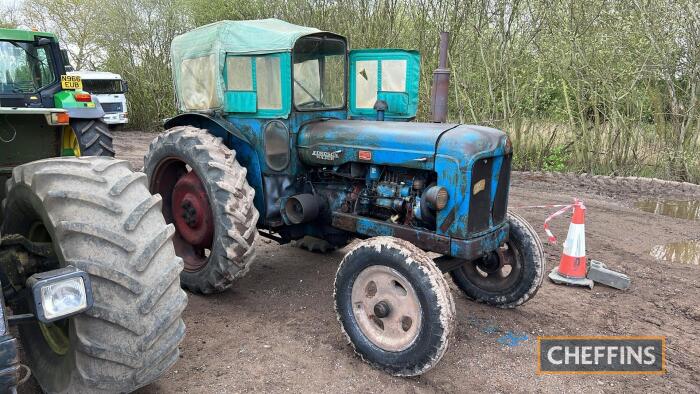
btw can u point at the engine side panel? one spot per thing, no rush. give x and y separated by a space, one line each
403 144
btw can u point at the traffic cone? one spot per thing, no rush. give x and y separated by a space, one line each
572 267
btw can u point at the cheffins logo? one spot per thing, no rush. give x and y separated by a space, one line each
601 355
322 155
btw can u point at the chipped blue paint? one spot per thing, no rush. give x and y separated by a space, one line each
456 153
512 339
459 247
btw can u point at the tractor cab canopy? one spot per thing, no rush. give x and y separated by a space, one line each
267 68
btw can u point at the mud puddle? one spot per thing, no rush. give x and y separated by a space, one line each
673 208
684 252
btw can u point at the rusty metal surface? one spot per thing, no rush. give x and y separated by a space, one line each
468 249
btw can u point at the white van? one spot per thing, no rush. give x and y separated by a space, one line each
109 88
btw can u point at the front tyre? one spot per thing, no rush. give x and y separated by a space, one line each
92 137
100 218
394 305
509 276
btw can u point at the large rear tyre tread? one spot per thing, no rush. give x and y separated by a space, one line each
230 197
130 336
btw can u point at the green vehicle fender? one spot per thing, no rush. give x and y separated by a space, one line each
78 109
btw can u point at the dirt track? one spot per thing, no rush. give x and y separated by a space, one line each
277 331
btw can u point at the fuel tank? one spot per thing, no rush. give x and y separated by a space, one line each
401 144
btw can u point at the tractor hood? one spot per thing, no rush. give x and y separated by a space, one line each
402 144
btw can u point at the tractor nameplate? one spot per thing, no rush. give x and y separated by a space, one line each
322 155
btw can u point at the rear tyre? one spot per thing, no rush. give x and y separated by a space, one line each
510 276
100 218
394 305
93 136
208 199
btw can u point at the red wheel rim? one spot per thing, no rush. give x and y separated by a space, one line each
186 205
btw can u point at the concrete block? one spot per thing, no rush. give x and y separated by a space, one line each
598 272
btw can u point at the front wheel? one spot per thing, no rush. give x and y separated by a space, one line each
394 305
87 137
509 276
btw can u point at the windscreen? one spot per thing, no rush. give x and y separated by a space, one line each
103 86
319 73
25 67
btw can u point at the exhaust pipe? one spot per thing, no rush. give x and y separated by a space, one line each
441 82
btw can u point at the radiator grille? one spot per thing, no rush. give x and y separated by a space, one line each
112 107
484 212
500 202
480 199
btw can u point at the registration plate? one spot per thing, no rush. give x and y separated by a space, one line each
71 82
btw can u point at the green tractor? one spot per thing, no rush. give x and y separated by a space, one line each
89 274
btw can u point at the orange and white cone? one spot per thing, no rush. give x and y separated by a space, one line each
573 266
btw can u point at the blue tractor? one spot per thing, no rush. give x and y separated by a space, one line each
286 133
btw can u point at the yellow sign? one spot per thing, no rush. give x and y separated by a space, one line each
72 82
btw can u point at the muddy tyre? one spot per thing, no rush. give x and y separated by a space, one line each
394 305
101 219
208 199
509 277
93 136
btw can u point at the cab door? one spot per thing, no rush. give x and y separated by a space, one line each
391 75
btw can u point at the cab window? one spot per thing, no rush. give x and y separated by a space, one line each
319 73
254 84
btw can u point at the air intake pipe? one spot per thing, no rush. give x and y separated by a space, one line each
441 83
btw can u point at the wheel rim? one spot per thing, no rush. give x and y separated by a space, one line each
55 334
69 142
386 308
186 205
497 272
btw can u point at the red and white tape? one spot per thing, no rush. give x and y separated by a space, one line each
563 209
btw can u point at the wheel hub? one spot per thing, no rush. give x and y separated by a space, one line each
191 211
497 272
386 308
382 309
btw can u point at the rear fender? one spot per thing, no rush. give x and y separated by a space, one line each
234 139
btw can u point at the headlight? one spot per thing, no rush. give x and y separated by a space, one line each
436 197
60 293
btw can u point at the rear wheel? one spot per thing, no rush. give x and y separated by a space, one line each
511 275
100 218
394 305
208 199
87 137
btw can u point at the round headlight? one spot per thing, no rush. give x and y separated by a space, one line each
436 197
